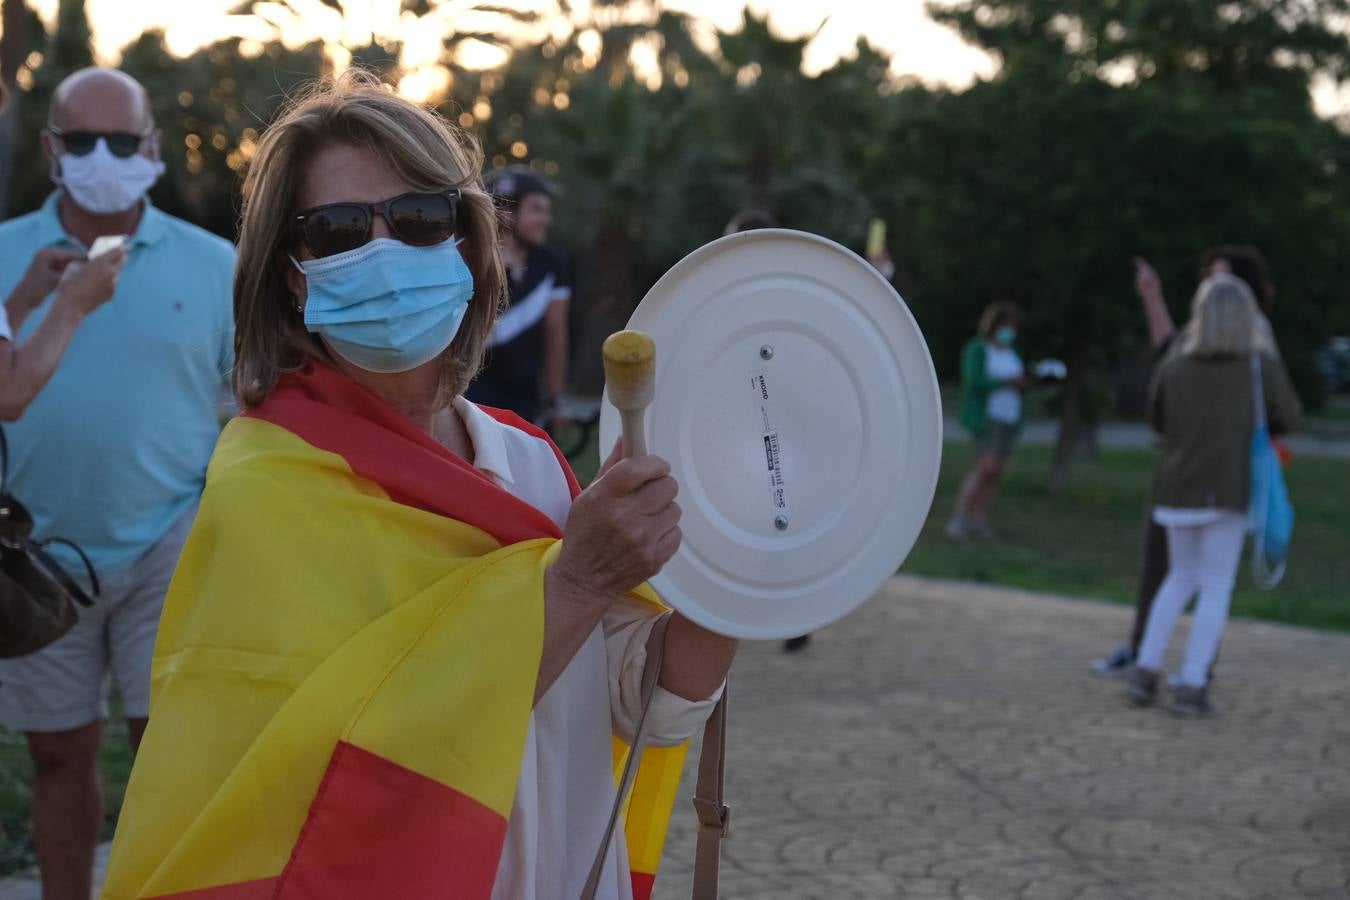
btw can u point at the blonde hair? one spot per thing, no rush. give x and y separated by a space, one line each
1225 320
414 144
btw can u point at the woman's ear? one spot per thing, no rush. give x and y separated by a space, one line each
294 278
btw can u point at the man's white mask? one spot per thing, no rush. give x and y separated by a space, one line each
102 183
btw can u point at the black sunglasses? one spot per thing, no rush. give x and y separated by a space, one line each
416 218
122 144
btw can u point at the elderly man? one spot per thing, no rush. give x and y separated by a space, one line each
112 452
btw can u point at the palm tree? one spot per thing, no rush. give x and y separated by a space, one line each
22 34
419 42
66 49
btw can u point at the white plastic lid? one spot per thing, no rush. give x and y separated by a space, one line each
797 405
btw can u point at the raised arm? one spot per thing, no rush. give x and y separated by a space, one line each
80 289
1148 287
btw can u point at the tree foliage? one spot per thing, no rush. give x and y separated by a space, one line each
1152 126
1113 127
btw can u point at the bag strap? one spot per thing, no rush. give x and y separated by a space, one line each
714 816
1265 575
656 649
59 575
37 549
711 769
1258 391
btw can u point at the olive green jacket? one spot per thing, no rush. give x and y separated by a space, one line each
1202 407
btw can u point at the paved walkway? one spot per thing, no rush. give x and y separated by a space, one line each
25 887
947 742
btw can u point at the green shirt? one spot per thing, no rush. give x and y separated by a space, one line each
976 385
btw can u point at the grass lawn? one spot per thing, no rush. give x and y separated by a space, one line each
1082 542
1085 541
16 775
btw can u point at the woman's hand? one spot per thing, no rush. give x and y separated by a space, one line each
1147 284
40 278
622 529
86 286
1148 287
620 532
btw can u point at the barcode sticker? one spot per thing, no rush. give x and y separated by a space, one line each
773 442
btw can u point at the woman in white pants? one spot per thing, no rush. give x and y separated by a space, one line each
1202 403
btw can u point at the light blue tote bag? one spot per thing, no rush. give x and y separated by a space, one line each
1270 517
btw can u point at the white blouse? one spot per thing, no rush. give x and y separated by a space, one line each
566 785
1003 364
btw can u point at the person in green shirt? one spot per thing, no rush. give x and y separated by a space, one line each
992 381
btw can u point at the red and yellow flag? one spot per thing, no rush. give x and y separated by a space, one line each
345 670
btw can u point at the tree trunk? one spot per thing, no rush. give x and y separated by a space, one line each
14 51
759 174
1068 430
1077 438
9 145
607 300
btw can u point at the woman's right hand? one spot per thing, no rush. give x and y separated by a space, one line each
88 285
41 277
1147 284
621 530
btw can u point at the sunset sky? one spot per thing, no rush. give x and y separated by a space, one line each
919 46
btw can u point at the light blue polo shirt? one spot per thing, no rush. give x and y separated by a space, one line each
114 449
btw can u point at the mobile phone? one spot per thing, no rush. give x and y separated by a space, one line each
876 238
107 244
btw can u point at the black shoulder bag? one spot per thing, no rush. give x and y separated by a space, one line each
37 596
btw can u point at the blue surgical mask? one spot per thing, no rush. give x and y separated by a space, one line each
388 306
1005 335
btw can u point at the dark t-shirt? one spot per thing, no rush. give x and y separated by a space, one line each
512 377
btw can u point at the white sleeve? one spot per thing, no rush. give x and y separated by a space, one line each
671 719
4 324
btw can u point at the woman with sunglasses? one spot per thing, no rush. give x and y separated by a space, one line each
400 641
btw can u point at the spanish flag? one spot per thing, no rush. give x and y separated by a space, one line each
345 670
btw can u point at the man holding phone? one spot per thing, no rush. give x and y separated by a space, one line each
112 452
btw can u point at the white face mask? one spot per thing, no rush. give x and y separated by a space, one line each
102 183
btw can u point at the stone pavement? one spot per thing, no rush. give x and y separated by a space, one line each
947 741
26 887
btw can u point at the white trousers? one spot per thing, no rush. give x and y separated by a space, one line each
1203 560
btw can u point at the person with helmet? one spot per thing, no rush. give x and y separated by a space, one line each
526 367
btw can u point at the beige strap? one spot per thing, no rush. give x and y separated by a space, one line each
711 771
714 816
656 651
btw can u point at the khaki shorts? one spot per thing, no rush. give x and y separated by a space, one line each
65 686
996 438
